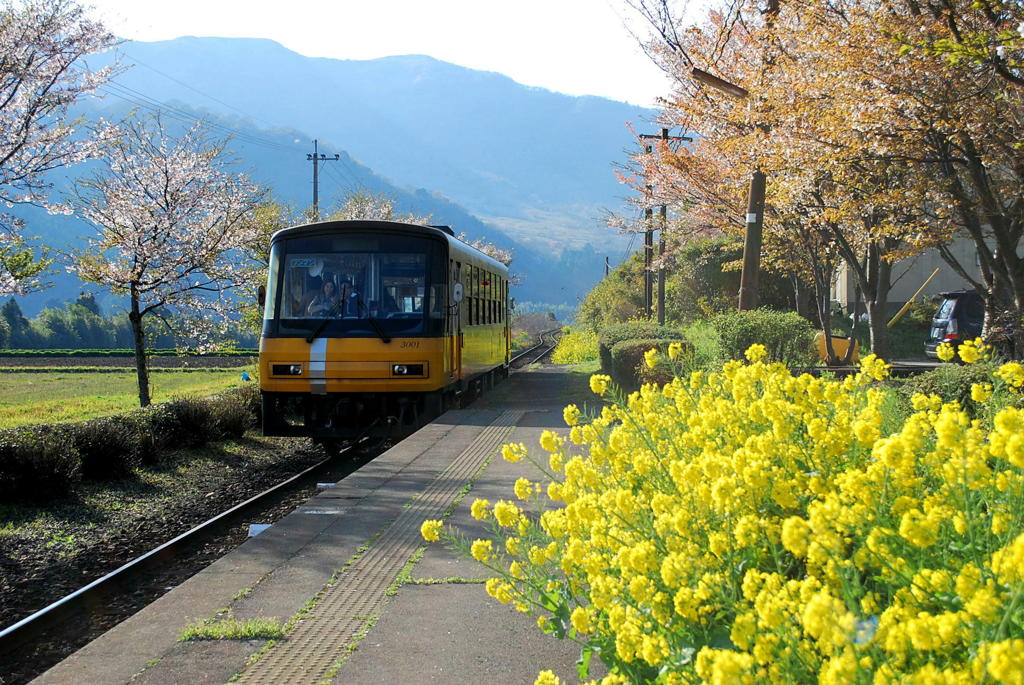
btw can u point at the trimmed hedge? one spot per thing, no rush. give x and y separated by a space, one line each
787 335
612 335
241 352
951 382
42 460
109 447
37 462
628 368
114 369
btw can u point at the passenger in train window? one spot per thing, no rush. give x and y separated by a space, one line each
326 302
348 297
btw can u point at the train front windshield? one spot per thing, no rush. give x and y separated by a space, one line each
355 286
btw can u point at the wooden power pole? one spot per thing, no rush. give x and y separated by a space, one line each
649 237
316 158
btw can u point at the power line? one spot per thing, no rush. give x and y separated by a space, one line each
141 99
194 89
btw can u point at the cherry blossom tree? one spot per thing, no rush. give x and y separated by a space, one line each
42 43
173 219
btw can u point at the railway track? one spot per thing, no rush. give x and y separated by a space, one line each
532 355
33 644
38 641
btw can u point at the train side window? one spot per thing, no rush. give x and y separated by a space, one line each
490 297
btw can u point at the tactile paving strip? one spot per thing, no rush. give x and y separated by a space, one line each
320 639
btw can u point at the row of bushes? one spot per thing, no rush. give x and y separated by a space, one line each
111 369
707 343
123 352
41 461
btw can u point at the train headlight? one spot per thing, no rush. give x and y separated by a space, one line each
407 369
286 369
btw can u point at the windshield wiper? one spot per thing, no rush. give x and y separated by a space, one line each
373 322
334 309
323 322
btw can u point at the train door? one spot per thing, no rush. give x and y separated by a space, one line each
454 332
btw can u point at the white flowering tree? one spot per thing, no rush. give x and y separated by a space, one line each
172 219
42 43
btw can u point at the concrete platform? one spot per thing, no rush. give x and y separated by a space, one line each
329 569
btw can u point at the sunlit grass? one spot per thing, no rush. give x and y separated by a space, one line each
233 629
29 398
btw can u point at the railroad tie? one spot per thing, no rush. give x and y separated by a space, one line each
320 639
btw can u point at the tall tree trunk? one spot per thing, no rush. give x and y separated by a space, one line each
878 307
139 338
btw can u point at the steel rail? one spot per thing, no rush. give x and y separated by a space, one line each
525 353
17 634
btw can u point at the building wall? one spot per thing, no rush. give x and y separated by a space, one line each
910 273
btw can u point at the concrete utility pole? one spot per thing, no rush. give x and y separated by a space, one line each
649 237
316 158
755 203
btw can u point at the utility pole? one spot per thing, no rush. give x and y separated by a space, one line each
648 246
748 295
649 236
316 158
755 202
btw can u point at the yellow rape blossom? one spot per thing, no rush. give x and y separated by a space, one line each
1012 373
756 352
506 514
828 538
972 351
674 350
513 452
523 488
547 678
599 383
945 352
1006 661
981 392
651 358
481 550
551 441
431 530
480 510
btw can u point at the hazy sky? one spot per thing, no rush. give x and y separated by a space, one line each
580 47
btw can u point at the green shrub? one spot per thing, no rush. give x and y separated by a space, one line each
633 330
704 348
787 335
49 459
109 447
951 382
37 462
232 415
191 423
627 369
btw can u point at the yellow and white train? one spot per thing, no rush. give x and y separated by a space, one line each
370 326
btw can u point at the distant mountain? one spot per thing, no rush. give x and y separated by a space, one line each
530 160
527 168
272 158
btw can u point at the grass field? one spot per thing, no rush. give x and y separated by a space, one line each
29 398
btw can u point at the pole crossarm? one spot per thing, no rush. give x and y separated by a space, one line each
317 157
